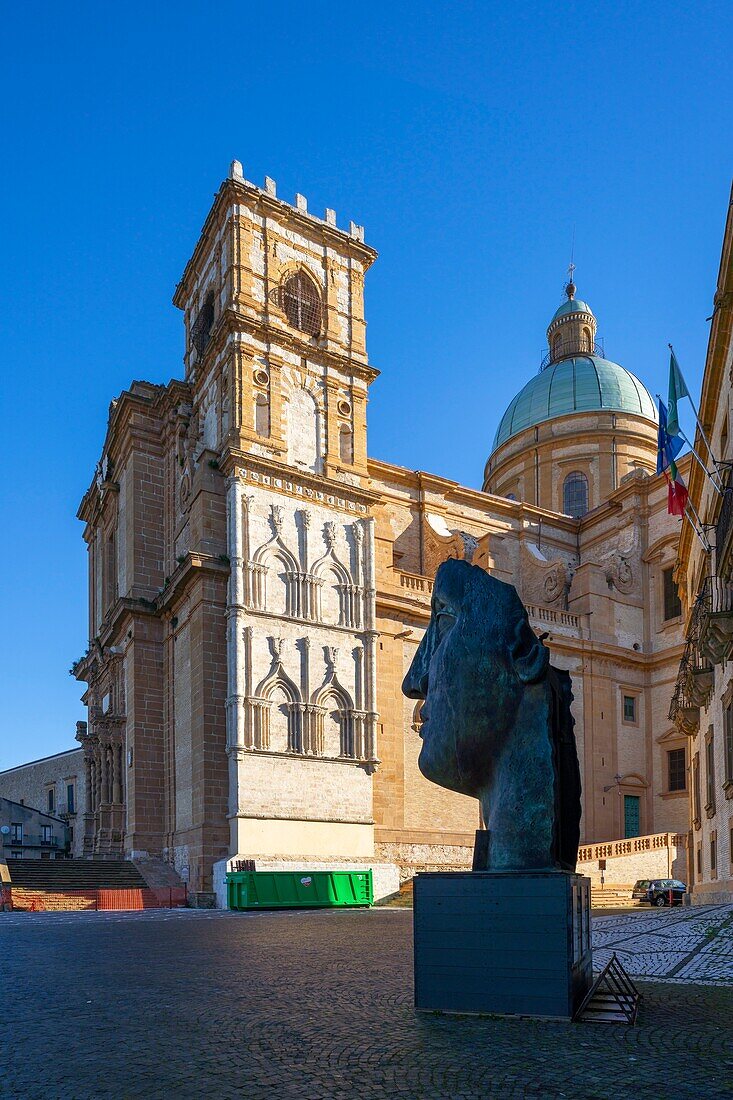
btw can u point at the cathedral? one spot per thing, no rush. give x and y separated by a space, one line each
258 582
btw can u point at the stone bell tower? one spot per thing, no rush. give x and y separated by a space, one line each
276 360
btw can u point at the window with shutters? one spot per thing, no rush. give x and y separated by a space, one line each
709 773
728 748
676 772
672 605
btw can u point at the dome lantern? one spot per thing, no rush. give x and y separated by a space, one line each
572 330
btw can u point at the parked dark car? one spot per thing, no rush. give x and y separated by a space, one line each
657 891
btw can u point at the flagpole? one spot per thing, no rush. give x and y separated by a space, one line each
702 430
702 465
703 538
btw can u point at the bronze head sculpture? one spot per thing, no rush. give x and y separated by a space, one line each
496 721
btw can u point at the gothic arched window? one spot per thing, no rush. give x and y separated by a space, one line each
575 494
301 303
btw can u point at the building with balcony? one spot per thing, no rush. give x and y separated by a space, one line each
258 582
702 704
53 784
27 833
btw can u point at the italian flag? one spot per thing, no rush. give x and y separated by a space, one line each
676 491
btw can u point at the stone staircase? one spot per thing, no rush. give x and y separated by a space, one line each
75 874
38 885
615 896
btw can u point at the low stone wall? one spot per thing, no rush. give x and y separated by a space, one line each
662 855
713 893
411 859
29 899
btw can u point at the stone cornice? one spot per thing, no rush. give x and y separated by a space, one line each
233 322
280 477
498 507
521 450
713 381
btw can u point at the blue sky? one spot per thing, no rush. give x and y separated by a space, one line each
472 140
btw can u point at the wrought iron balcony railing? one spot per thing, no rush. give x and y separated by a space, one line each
723 527
563 349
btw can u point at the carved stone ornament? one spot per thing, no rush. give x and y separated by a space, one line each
619 573
329 534
277 517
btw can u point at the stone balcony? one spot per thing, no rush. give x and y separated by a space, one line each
550 619
714 613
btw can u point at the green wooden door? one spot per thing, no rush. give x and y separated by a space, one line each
632 816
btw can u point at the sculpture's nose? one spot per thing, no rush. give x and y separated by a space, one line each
415 683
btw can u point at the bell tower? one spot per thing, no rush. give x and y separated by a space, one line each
273 300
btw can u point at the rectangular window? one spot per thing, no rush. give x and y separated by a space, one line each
699 862
46 834
676 774
730 853
728 733
51 798
629 708
713 855
16 833
70 805
709 773
696 801
672 605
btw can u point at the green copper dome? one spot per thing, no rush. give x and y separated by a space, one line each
580 383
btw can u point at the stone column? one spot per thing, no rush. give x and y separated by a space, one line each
370 642
103 784
117 774
235 616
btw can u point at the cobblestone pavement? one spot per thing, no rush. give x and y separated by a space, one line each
680 944
319 1005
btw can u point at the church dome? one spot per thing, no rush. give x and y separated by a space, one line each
574 377
579 383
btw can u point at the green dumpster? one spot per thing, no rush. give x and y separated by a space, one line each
298 889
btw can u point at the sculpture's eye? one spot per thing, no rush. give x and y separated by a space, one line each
444 616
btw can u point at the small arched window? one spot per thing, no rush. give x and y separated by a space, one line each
262 415
556 344
301 303
575 494
203 325
346 446
587 340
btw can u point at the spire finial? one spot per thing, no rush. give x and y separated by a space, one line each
570 288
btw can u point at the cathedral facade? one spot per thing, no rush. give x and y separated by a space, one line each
258 583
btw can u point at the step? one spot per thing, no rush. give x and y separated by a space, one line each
78 874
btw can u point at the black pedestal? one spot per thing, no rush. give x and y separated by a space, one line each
502 942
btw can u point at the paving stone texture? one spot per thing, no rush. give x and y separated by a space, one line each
319 1005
